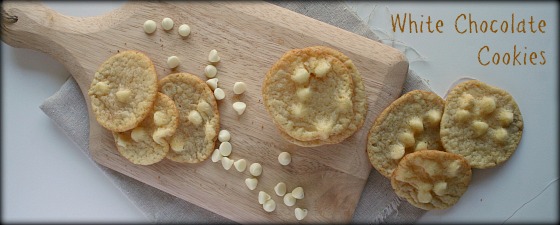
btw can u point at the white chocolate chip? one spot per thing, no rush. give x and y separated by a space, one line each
121 141
150 26
240 165
440 187
160 118
424 197
416 125
212 83
225 148
210 71
324 128
177 144
298 193
239 107
239 88
227 163
289 199
300 76
195 117
433 117
297 110
396 151
303 93
263 197
431 168
462 115
487 105
479 128
280 189
204 107
505 117
219 94
269 205
466 101
453 168
172 61
224 136
300 213
407 139
322 68
500 134
124 95
167 23
184 30
138 134
284 158
213 56
216 156
421 145
251 183
101 88
160 134
255 169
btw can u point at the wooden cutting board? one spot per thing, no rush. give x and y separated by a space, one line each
250 37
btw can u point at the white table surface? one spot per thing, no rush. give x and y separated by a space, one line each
47 179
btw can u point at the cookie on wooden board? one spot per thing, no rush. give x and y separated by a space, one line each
123 90
199 118
482 123
147 143
310 93
410 123
431 179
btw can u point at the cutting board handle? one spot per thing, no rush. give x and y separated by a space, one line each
34 26
29 24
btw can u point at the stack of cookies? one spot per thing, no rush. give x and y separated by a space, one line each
427 145
148 117
315 96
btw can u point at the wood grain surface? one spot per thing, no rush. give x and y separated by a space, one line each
250 37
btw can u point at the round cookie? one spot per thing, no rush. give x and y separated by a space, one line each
431 179
199 118
147 143
310 95
410 123
123 90
482 123
359 102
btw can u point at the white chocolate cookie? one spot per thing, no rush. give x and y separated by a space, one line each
199 119
310 93
482 123
409 124
123 91
431 179
147 143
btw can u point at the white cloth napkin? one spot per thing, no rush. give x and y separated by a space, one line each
378 203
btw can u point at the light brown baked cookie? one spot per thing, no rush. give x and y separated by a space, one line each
359 103
310 95
199 118
123 90
147 143
482 123
408 124
431 179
